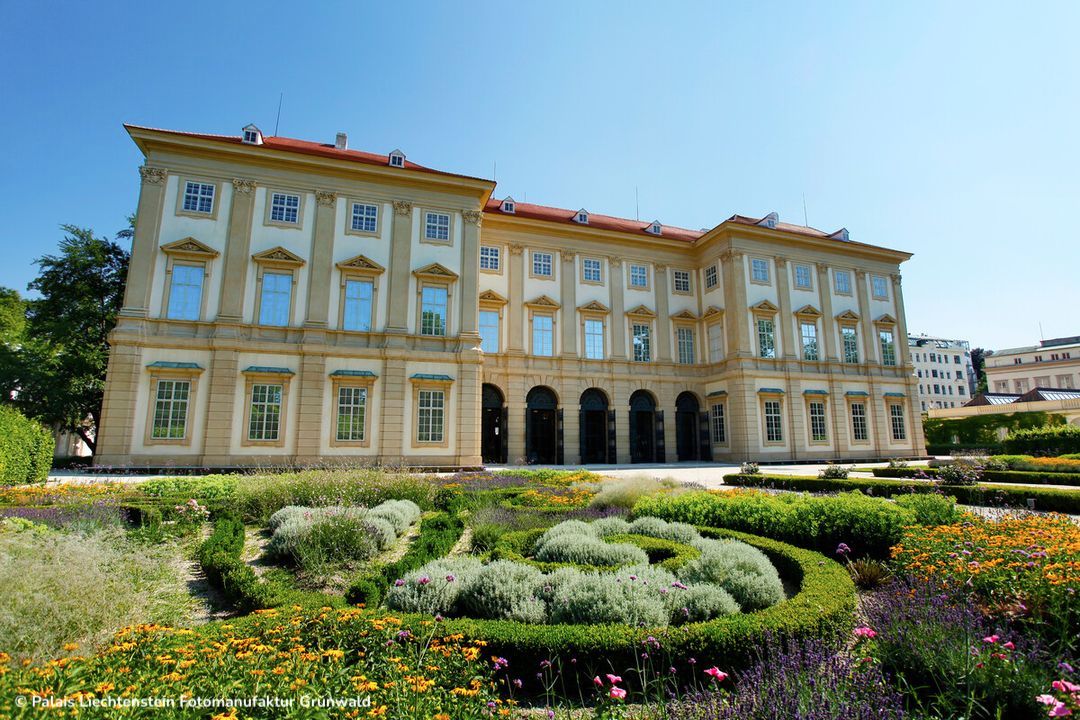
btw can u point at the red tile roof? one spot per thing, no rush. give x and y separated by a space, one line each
601 222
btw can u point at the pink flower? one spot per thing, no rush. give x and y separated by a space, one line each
1046 699
597 681
991 639
1059 710
1065 686
617 693
716 674
614 679
1009 645
424 580
865 632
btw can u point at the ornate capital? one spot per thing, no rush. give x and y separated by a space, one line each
895 278
568 255
822 269
517 249
860 274
402 207
243 186
325 197
781 262
473 217
660 267
615 261
730 255
153 175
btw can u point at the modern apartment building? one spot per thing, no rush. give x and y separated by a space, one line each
293 302
943 368
1050 364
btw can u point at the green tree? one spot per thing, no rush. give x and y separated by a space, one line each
978 364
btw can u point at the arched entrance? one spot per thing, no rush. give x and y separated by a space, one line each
493 433
687 435
646 429
597 428
543 427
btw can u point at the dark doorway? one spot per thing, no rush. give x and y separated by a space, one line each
687 436
594 427
493 438
542 442
643 428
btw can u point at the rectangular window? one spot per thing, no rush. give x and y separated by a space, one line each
681 281
716 342
759 270
429 416
591 270
199 197
490 258
774 429
542 264
818 427
351 409
489 331
896 416
358 299
803 278
880 287
888 347
170 410
265 420
433 311
843 282
639 276
685 338
594 339
543 335
642 343
285 208
808 330
711 279
858 421
851 345
716 417
766 338
365 217
437 226
186 292
276 300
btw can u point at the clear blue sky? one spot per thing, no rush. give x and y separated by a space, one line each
945 129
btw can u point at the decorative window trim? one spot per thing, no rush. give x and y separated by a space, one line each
836 283
265 376
367 382
715 277
603 273
502 262
768 396
718 324
431 382
858 400
630 273
361 268
681 324
768 271
450 227
189 372
722 404
544 306
824 401
689 282
532 264
891 403
642 315
181 190
593 311
873 293
276 259
494 302
795 277
268 203
349 230
187 251
436 276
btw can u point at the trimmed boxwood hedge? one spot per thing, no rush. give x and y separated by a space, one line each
1022 477
823 607
1046 499
516 545
26 449
1050 440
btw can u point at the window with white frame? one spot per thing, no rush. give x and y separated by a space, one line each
681 281
275 303
543 335
170 409
433 301
591 270
715 332
880 287
716 421
888 347
858 421
594 339
199 197
542 264
358 300
437 226
896 418
351 412
774 427
430 412
489 331
264 421
711 279
685 341
642 334
843 281
851 344
766 333
803 277
365 217
639 276
808 332
759 270
818 427
490 258
186 291
285 208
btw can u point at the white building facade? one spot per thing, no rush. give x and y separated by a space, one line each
943 368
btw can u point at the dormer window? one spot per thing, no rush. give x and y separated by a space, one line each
508 205
655 228
769 220
252 135
582 217
397 159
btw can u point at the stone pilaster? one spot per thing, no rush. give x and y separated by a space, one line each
871 349
880 435
903 353
469 294
220 422
568 299
783 294
828 322
396 401
743 418
515 419
739 343
571 427
321 267
237 251
144 246
620 402
516 321
469 413
618 328
312 393
118 424
663 321
400 271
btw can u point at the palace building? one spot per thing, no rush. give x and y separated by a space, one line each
292 302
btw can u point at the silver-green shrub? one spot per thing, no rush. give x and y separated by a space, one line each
504 590
586 598
588 550
744 571
611 526
657 528
400 513
698 603
284 515
434 588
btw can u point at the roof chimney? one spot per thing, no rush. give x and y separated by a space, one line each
341 142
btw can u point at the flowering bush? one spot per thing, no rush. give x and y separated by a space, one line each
960 472
749 468
1063 699
832 471
190 514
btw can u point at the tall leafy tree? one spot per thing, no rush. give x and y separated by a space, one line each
978 363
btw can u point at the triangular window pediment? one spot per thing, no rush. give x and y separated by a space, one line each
886 319
361 264
808 311
543 302
713 311
684 315
436 271
594 307
765 307
492 298
641 311
191 247
278 256
848 316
